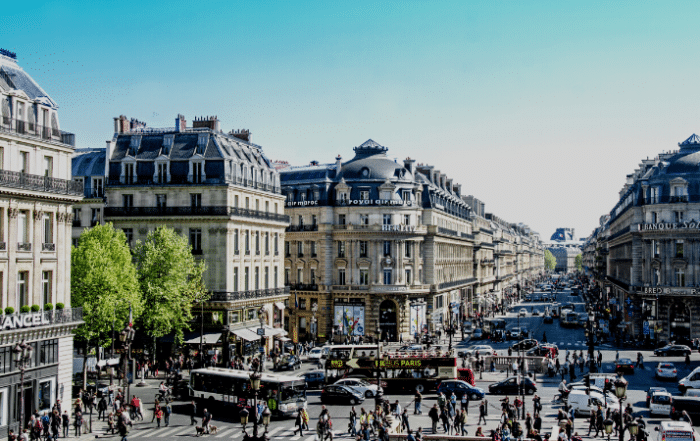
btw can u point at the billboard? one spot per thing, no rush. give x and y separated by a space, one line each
350 319
418 323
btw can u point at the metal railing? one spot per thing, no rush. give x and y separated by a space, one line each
453 283
48 247
205 210
224 296
27 181
184 179
24 246
313 227
26 128
303 287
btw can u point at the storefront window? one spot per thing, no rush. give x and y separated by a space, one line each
45 395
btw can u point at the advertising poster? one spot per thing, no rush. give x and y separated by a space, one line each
418 323
350 319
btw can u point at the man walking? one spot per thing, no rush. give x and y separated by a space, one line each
193 413
434 417
482 413
418 398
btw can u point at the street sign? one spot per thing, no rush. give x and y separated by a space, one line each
261 331
261 349
645 328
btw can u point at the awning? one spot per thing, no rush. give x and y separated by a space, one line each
279 306
280 338
209 338
252 334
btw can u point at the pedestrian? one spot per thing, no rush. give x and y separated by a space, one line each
159 416
592 423
434 417
482 412
352 430
156 406
445 422
463 423
206 419
404 420
465 402
168 411
617 356
687 361
528 423
537 423
78 422
417 399
298 423
193 413
544 337
600 359
305 419
101 408
123 426
536 404
65 423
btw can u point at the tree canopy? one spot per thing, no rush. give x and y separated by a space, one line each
103 283
550 262
579 262
170 281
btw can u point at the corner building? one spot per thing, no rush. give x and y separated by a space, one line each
376 248
36 198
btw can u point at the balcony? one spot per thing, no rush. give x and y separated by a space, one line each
185 180
50 247
26 181
454 283
302 228
24 246
3 246
223 296
77 223
31 130
193 211
303 287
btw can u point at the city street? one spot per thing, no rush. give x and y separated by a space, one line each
570 339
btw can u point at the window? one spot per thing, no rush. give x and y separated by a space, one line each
22 227
655 248
197 172
407 249
341 249
277 251
364 195
162 172
235 201
302 303
312 276
48 353
301 220
387 248
46 278
407 219
300 249
364 219
2 158
286 276
386 219
679 248
95 218
313 249
314 220
267 243
128 200
48 166
48 231
341 219
129 174
341 276
22 292
247 203
267 277
267 207
363 248
97 188
252 314
300 275
654 217
257 243
235 278
364 277
287 251
678 216
409 277
680 277
195 200
235 242
406 195
387 277
246 237
196 240
161 200
129 233
275 278
654 195
257 277
25 162
246 276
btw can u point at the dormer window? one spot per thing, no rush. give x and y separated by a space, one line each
202 143
134 145
197 175
168 144
128 172
162 174
364 194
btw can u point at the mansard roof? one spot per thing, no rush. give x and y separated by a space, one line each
88 162
13 77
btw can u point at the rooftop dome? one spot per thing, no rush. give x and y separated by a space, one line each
687 160
371 163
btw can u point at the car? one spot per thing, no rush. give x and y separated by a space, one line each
336 393
478 334
288 363
535 312
581 402
510 386
317 354
666 371
660 404
514 333
460 387
624 365
524 345
314 379
651 391
668 350
523 312
360 385
548 318
467 327
542 350
481 349
428 339
411 348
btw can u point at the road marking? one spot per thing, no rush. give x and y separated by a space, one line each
169 431
222 432
275 430
141 432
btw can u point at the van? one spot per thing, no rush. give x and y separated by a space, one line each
660 404
692 393
692 381
582 404
691 405
675 431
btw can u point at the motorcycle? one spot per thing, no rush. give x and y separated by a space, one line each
561 398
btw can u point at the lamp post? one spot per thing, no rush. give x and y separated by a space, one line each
127 337
255 385
592 367
621 393
378 361
261 331
314 326
23 360
608 426
201 333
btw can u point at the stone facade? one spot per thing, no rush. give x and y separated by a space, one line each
36 201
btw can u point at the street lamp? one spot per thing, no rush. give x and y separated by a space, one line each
621 393
314 326
261 331
592 367
23 360
255 385
378 361
608 425
127 337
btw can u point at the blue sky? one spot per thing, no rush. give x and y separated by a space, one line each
540 109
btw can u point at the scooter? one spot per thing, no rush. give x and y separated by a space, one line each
561 398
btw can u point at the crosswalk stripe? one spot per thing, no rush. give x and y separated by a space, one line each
222 433
168 431
141 432
275 430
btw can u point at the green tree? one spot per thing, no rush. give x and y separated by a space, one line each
170 281
104 284
579 262
550 262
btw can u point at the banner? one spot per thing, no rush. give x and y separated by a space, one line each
350 319
418 323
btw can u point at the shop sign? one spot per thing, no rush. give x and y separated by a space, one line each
669 226
399 227
300 203
374 202
669 290
26 320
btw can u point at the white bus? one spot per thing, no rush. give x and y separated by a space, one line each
283 394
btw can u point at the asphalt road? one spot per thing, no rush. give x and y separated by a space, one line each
570 339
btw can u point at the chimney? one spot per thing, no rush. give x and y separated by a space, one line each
121 124
409 164
209 122
108 156
136 124
243 134
180 123
338 164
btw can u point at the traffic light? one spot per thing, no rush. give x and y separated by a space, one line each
588 381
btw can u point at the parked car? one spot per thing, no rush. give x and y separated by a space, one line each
510 386
288 363
651 391
314 379
542 350
624 365
666 371
336 393
481 349
410 348
460 388
524 345
667 350
366 389
478 334
523 312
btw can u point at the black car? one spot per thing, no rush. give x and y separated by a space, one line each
314 379
288 363
624 365
667 350
548 319
510 386
335 393
524 345
514 333
460 387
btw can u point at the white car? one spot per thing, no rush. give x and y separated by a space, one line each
666 371
316 354
367 389
660 404
523 312
535 312
481 349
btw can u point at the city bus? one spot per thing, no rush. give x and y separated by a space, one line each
569 318
214 387
399 371
491 325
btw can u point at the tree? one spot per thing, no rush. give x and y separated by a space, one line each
549 261
104 284
579 262
170 281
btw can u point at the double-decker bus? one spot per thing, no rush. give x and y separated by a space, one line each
283 394
399 371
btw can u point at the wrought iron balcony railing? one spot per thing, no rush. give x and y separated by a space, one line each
30 129
48 247
24 246
221 296
193 211
27 181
